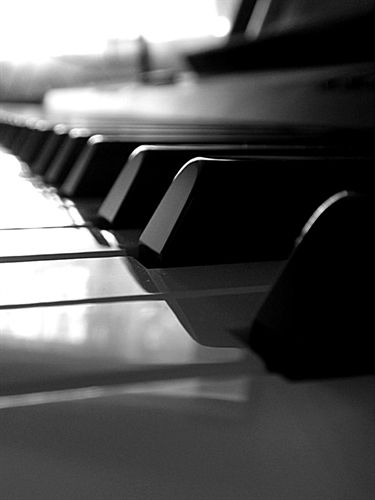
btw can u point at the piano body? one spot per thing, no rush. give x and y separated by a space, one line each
152 235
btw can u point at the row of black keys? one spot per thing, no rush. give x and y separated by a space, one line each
194 194
251 205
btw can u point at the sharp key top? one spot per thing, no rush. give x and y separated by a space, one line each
104 155
74 158
218 211
97 168
315 322
150 169
35 142
53 144
66 156
145 178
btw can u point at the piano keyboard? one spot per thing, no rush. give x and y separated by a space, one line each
186 255
133 257
179 214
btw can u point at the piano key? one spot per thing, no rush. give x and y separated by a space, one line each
11 169
212 301
27 126
55 243
218 211
26 132
18 139
149 171
66 156
230 388
45 213
27 203
142 183
46 208
78 140
79 177
181 280
167 133
72 280
60 131
7 134
50 149
68 153
315 322
15 125
47 156
145 178
72 346
276 411
35 142
98 166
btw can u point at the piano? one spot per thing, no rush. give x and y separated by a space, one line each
186 263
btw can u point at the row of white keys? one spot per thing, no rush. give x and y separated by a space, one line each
102 321
75 313
27 203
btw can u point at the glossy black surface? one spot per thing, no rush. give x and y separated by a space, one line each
145 178
316 322
65 158
93 174
52 145
97 168
218 211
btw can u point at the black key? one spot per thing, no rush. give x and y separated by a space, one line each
9 133
104 155
66 157
146 177
218 211
97 167
19 139
316 321
46 156
34 143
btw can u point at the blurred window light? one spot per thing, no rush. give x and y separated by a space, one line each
34 30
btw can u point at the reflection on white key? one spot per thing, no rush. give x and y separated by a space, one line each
33 244
25 203
71 279
140 332
45 348
22 205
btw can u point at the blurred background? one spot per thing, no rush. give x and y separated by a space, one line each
46 44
